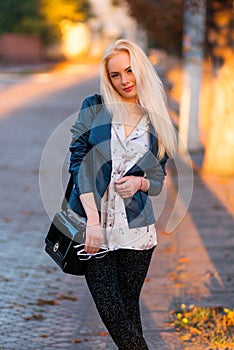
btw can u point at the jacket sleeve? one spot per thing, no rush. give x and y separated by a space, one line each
80 146
156 176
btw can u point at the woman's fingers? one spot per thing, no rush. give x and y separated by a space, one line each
123 190
94 239
127 186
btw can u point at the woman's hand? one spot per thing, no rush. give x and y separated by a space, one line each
127 186
94 237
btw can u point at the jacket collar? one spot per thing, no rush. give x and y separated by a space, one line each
100 133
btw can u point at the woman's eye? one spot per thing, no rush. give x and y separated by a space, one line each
129 70
114 75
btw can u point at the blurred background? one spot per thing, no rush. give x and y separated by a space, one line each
190 42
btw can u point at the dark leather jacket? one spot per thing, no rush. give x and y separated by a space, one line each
91 165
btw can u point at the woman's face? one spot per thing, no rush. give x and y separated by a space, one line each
121 76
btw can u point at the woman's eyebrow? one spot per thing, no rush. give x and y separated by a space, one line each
124 70
127 68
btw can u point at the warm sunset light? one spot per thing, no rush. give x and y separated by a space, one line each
117 174
76 38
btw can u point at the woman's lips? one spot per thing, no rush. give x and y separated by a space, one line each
129 88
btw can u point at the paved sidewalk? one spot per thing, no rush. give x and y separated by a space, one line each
41 308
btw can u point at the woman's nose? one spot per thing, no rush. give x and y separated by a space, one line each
124 79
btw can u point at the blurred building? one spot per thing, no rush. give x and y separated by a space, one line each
20 48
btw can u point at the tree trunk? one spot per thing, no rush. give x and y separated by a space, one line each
219 154
193 47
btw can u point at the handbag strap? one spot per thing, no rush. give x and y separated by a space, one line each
67 193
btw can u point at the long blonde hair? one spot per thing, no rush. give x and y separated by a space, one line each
151 95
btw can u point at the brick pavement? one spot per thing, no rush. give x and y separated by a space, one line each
41 308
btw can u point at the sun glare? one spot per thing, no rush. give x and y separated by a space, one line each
76 39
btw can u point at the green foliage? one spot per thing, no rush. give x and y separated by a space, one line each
40 17
19 16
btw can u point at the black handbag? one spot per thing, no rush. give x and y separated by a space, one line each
66 237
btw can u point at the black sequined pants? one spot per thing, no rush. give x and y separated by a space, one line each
115 283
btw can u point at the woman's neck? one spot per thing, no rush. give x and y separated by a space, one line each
132 119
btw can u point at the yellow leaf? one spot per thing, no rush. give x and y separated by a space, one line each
185 320
226 310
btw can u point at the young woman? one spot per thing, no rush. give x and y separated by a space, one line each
121 142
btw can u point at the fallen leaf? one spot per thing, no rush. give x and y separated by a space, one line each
183 259
180 267
169 248
172 276
27 212
147 279
178 285
194 330
77 341
6 279
67 297
34 317
41 302
185 337
103 334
